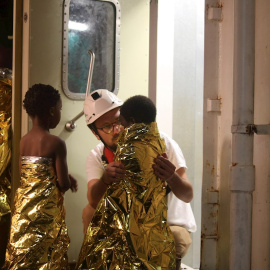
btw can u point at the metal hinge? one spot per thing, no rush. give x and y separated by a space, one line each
212 196
215 13
251 129
213 105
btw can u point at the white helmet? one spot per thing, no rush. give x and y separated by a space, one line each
98 103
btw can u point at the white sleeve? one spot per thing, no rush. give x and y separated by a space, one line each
179 213
174 152
94 165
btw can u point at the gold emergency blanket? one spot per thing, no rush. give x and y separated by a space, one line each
129 228
5 143
38 237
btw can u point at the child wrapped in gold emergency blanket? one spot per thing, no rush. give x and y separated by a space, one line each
39 238
128 229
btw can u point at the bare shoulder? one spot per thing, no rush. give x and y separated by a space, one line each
42 144
26 144
55 139
53 146
25 138
56 143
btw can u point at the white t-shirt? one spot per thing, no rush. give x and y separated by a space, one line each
179 212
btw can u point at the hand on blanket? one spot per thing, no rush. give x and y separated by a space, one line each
114 172
163 168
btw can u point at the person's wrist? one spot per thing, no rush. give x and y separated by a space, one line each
105 182
170 179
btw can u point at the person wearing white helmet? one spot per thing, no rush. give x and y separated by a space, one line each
100 107
102 112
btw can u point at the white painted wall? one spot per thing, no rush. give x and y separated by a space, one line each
165 65
179 95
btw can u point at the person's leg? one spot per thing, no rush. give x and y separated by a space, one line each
183 241
178 264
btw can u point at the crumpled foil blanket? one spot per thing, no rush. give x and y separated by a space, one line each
38 237
5 141
129 228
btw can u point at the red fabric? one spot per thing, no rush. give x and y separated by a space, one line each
109 155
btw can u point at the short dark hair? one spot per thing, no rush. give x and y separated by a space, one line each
141 108
39 99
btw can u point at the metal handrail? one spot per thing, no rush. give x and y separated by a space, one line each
90 73
71 125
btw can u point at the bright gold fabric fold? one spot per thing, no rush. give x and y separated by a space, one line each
5 146
38 237
129 228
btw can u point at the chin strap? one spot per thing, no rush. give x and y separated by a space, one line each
93 128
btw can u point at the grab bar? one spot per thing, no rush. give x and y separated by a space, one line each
90 74
71 125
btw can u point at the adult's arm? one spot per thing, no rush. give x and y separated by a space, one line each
114 172
176 179
87 215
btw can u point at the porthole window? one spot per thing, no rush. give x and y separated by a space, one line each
90 25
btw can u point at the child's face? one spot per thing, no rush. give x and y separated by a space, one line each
56 114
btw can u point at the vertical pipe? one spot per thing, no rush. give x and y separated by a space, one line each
152 85
242 169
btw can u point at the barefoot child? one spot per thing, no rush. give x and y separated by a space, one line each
39 238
